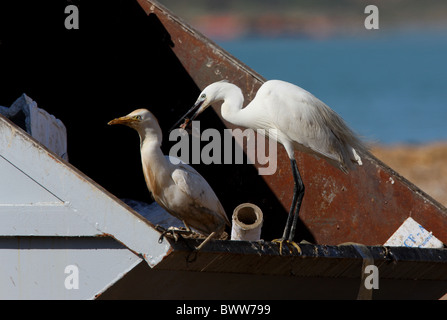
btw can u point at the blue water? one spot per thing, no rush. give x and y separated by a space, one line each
389 88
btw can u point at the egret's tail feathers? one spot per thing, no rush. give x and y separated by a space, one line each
349 160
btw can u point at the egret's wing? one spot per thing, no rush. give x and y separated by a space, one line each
311 123
196 187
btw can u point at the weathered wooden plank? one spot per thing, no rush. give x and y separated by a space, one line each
43 220
86 201
61 268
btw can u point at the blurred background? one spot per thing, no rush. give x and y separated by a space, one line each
390 84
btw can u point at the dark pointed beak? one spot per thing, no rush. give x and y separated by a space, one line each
186 119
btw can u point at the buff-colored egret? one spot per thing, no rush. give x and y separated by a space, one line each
293 117
178 188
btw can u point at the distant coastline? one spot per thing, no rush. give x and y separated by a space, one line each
231 19
423 165
226 27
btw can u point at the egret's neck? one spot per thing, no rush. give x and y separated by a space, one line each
151 154
232 110
151 135
155 165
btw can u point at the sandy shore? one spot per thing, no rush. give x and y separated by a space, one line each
423 165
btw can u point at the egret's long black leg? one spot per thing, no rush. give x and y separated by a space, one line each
289 221
292 218
298 193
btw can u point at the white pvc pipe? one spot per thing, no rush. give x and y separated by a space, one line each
247 222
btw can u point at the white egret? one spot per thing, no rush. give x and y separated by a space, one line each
300 122
178 188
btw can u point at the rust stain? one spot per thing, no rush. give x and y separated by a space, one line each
104 235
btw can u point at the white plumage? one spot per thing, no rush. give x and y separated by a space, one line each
178 188
299 121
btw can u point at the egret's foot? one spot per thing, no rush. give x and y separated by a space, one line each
288 243
173 232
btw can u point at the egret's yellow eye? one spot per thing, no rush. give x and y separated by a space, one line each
138 117
203 96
